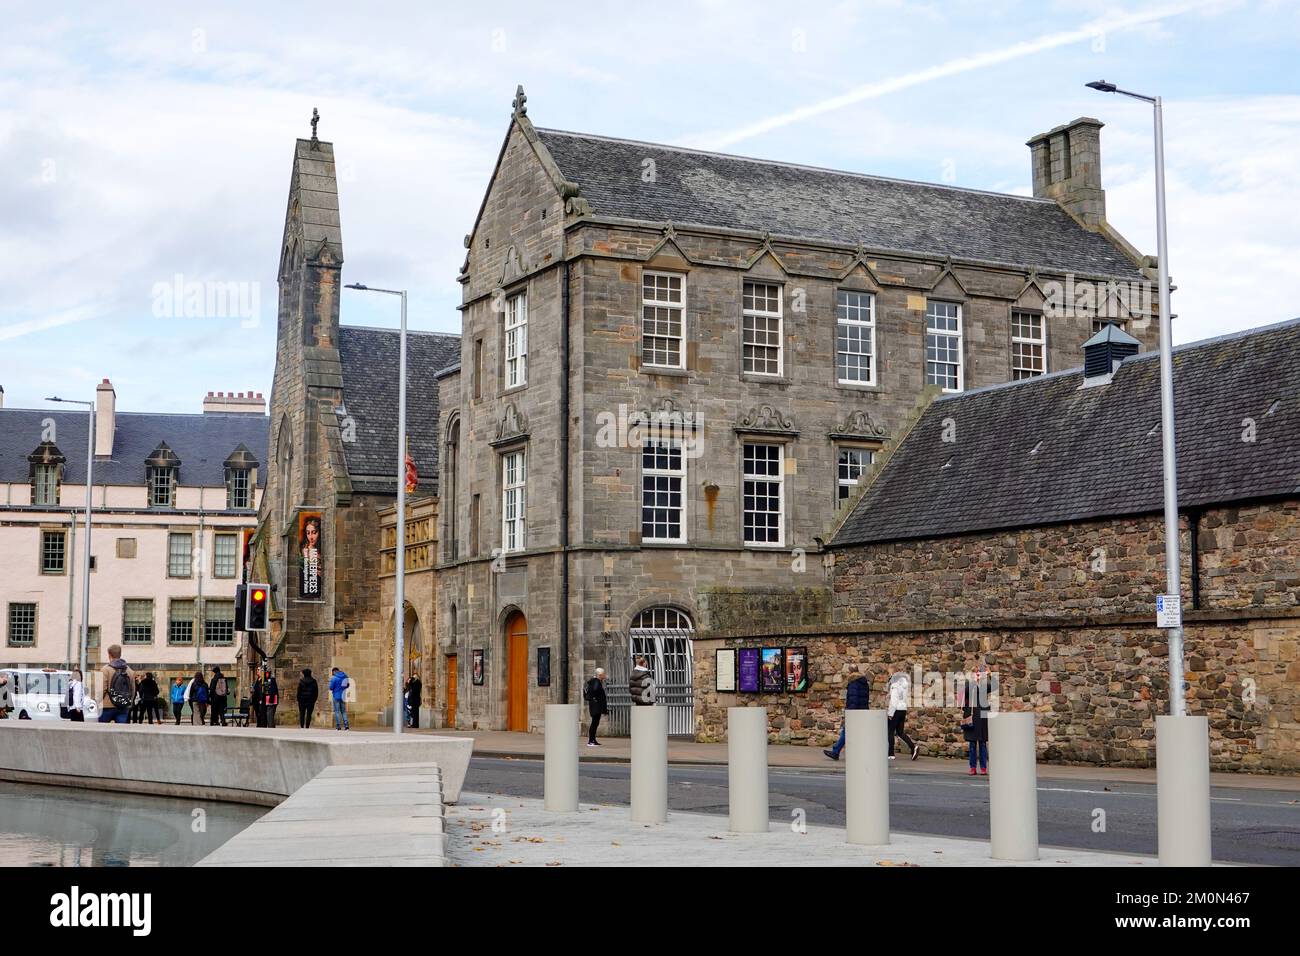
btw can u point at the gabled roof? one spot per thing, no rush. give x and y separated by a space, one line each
201 442
714 189
1045 451
369 357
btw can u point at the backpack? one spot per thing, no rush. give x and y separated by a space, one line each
201 694
586 691
120 692
221 687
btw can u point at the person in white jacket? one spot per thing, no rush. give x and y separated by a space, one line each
900 693
76 698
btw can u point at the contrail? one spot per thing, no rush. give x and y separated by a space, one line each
965 64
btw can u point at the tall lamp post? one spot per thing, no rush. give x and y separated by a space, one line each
1182 742
85 562
399 597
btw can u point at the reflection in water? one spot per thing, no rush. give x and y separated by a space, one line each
62 826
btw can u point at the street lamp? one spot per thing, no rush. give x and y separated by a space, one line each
85 562
399 598
1182 742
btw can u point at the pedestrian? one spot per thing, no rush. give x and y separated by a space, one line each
413 693
217 691
900 692
197 695
258 705
975 704
76 699
856 696
270 697
339 684
597 704
119 688
641 685
308 692
178 698
148 697
5 690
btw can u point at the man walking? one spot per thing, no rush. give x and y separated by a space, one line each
270 697
308 693
413 691
220 687
119 688
855 698
597 704
339 684
641 684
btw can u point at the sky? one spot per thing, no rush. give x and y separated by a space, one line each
146 148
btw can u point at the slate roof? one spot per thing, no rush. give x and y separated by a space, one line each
369 358
713 189
202 443
1045 451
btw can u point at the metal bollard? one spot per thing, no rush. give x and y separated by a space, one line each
866 778
1013 787
561 765
1183 790
747 769
649 764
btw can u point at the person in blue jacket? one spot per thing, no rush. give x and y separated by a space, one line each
339 684
855 698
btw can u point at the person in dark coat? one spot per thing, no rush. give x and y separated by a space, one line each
975 703
641 684
308 694
255 698
148 689
217 693
414 689
597 704
270 697
856 696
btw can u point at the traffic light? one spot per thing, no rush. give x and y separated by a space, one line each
257 597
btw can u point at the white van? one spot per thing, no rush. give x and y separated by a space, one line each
39 693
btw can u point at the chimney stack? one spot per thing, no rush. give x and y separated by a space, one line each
1067 167
105 419
2 396
234 403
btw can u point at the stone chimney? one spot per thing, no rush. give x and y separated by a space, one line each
105 419
1067 167
238 403
2 396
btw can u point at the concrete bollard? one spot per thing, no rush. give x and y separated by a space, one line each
649 764
747 769
1183 790
866 778
1013 787
561 765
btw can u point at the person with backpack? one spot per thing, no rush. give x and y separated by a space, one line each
641 685
119 688
197 695
178 698
856 696
597 704
217 692
339 684
76 702
308 693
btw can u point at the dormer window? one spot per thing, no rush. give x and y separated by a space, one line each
161 469
241 477
46 464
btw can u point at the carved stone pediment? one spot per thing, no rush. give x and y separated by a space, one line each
512 426
860 424
666 413
766 418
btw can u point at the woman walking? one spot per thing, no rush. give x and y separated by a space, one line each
975 719
900 693
197 695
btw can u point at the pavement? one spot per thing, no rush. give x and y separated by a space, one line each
494 830
500 743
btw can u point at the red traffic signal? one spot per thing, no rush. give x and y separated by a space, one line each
255 611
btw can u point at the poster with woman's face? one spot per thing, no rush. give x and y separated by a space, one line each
796 670
311 560
771 673
478 668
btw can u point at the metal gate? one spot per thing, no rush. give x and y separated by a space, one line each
669 655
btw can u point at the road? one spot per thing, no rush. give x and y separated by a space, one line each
1249 826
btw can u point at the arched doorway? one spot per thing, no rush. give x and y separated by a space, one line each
663 635
413 643
517 672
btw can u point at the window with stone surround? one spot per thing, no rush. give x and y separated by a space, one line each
219 621
943 363
763 492
54 552
1028 344
663 505
45 485
513 480
22 624
180 620
851 463
162 486
761 333
137 621
516 329
663 310
855 338
180 555
225 555
239 491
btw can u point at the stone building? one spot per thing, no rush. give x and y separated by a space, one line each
1023 523
174 500
676 365
333 449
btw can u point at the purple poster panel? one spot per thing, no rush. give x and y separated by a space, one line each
747 670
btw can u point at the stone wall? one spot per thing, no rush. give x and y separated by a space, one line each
1096 684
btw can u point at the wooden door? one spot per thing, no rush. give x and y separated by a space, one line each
451 691
517 673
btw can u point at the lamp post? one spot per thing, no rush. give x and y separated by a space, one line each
399 597
1182 742
85 562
